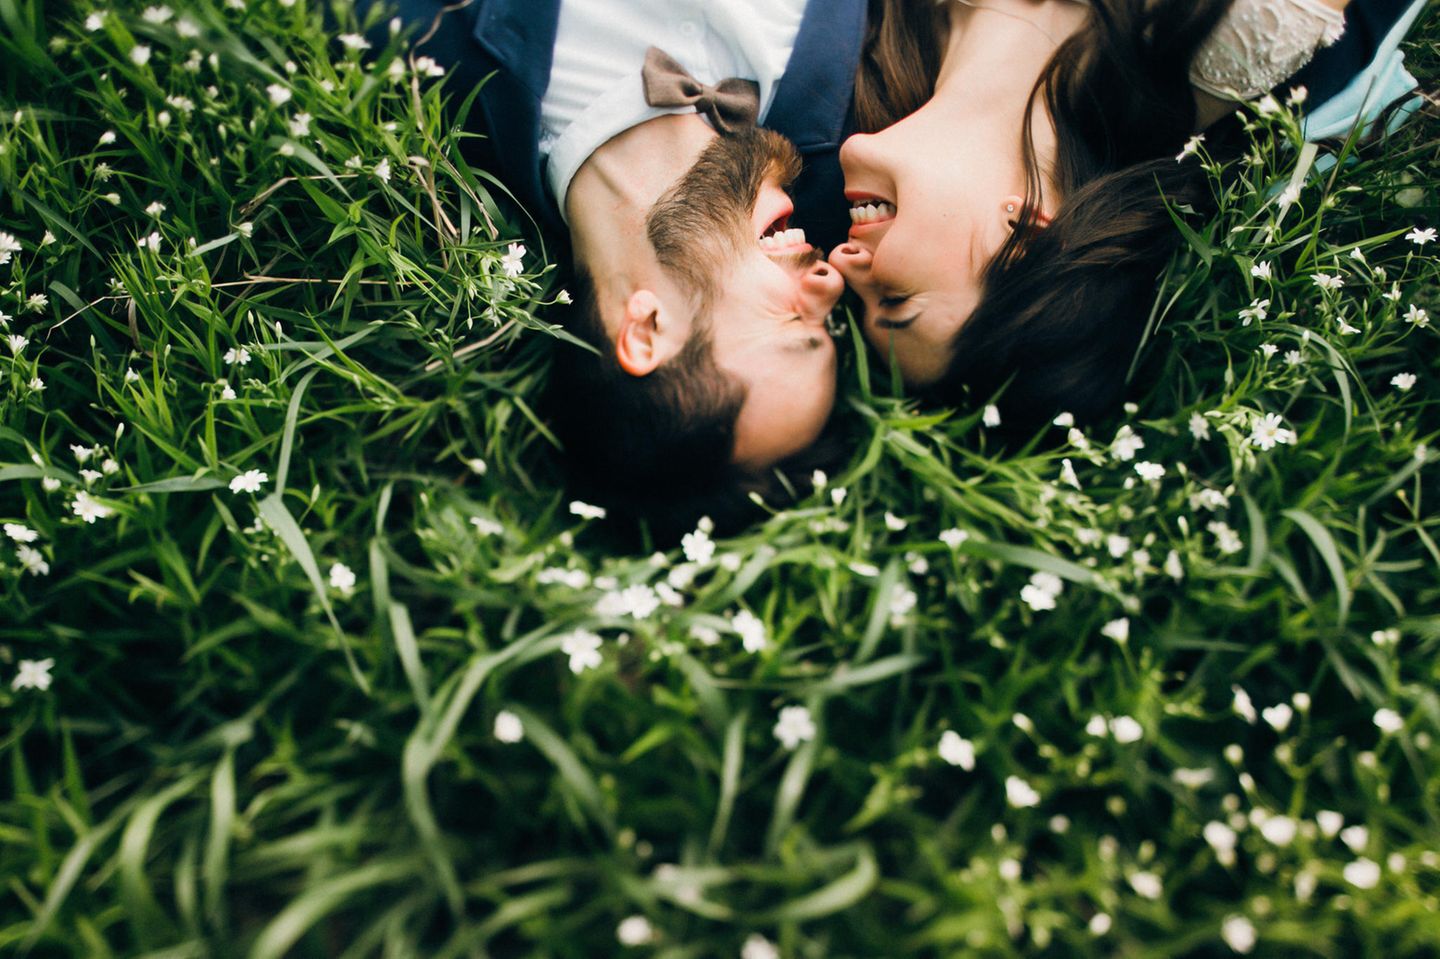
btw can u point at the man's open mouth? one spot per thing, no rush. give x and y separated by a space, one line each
780 237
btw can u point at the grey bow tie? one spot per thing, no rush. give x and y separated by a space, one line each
730 105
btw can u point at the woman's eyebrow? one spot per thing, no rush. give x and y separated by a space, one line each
885 324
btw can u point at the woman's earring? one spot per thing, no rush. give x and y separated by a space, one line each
1009 208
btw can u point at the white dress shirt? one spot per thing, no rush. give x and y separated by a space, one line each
595 91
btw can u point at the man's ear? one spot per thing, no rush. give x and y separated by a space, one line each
649 334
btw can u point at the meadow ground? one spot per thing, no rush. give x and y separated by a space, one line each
304 650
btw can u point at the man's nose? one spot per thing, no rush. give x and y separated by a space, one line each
820 289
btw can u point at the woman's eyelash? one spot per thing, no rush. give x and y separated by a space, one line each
891 301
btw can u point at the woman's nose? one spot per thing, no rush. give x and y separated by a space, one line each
853 262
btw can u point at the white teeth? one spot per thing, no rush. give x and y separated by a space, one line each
783 239
871 212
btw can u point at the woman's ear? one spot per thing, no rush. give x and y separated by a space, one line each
649 334
1014 207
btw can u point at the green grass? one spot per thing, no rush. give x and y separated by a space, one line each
242 754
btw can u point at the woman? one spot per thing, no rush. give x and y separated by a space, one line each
1009 232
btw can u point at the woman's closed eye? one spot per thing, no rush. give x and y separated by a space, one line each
891 322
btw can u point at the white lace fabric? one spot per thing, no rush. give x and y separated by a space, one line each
1261 42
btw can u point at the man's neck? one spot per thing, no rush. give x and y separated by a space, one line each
615 188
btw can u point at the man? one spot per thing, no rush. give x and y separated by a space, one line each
706 306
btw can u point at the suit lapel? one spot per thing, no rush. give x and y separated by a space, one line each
812 102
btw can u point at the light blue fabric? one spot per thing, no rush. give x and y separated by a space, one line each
1380 84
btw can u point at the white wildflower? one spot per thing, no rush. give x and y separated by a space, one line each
512 262
249 481
508 728
635 931
33 674
1243 705
1269 430
353 41
1067 473
1420 237
1278 717
757 946
1257 310
1126 444
1147 884
486 526
953 537
1279 830
698 547
33 560
1357 838
1330 822
1126 730
794 726
1262 270
1388 721
95 21
1403 381
89 509
1194 778
1117 545
21 533
1328 281
1019 793
957 750
894 523
342 579
586 511
583 648
1117 629
1238 933
751 630
991 416
1150 472
1099 924
1192 147
139 54
1362 873
1415 316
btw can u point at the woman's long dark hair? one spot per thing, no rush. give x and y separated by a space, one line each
1064 306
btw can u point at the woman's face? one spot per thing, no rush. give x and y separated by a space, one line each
930 207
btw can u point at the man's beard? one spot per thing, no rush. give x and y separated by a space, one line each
702 224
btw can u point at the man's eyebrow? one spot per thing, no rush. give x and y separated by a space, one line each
885 324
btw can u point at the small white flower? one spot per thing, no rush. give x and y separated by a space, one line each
1279 830
508 728
1064 420
90 476
1192 147
34 674
486 526
1020 794
1040 593
1278 716
278 93
155 209
953 537
1126 730
342 579
33 560
794 726
16 343
1298 95
1194 778
1238 933
1388 721
1099 924
1269 431
838 494
299 125
21 533
157 15
991 416
139 54
1096 726
1242 705
698 547
894 523
237 356
1173 567
1355 837
1126 444
1262 271
1067 473
1268 105
586 511
583 648
758 947
957 750
1117 629
1362 873
1209 499
353 41
512 262
1257 310
1328 281
1150 472
751 630
94 22
1199 427
1117 545
902 602
1147 884
1403 381
1330 822
635 931
89 509
1293 358
187 28
1417 317
427 67
249 481
1420 237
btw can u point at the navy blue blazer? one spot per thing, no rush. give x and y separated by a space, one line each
515 41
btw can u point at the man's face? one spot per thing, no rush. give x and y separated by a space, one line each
723 229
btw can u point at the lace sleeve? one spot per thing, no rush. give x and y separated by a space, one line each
1261 42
